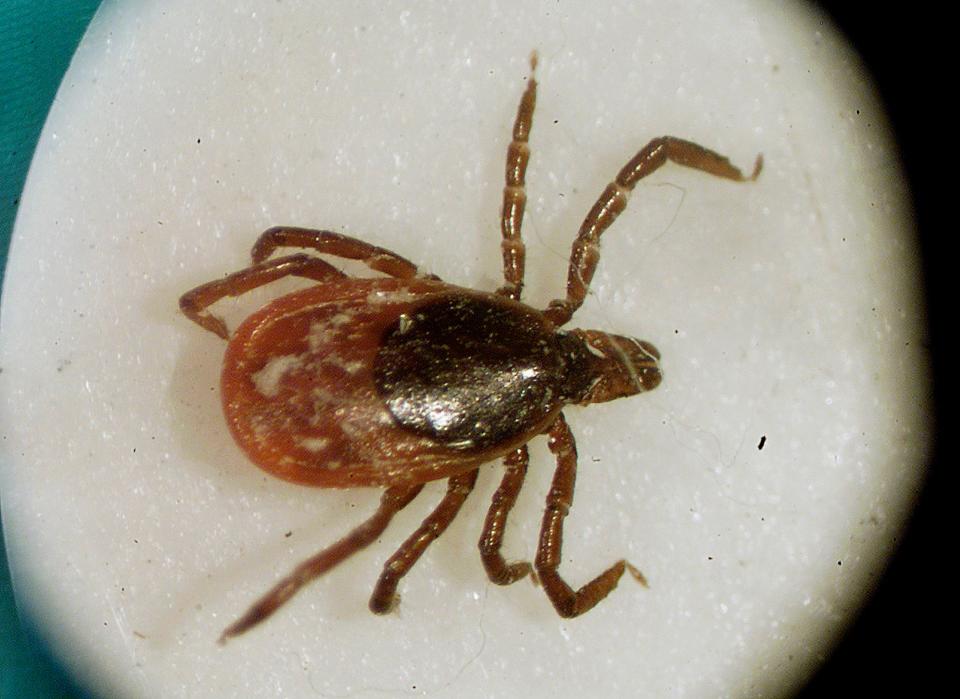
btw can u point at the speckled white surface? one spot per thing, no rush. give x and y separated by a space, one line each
788 308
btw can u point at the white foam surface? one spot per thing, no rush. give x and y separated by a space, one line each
787 309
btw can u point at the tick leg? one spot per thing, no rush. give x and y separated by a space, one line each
393 500
385 596
330 243
566 601
586 248
491 540
515 193
195 302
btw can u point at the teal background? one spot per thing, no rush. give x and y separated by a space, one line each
37 40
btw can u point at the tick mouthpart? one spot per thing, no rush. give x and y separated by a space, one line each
642 361
621 366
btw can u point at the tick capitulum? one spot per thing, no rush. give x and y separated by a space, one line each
402 379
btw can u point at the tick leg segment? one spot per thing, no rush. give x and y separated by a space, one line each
567 602
330 243
491 540
586 248
393 500
385 596
195 302
515 193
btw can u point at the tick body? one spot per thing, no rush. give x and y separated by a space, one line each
400 379
381 382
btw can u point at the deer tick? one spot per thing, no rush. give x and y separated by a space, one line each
400 379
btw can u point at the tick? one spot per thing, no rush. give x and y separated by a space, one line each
400 379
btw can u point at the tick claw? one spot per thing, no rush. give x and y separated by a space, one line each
637 575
